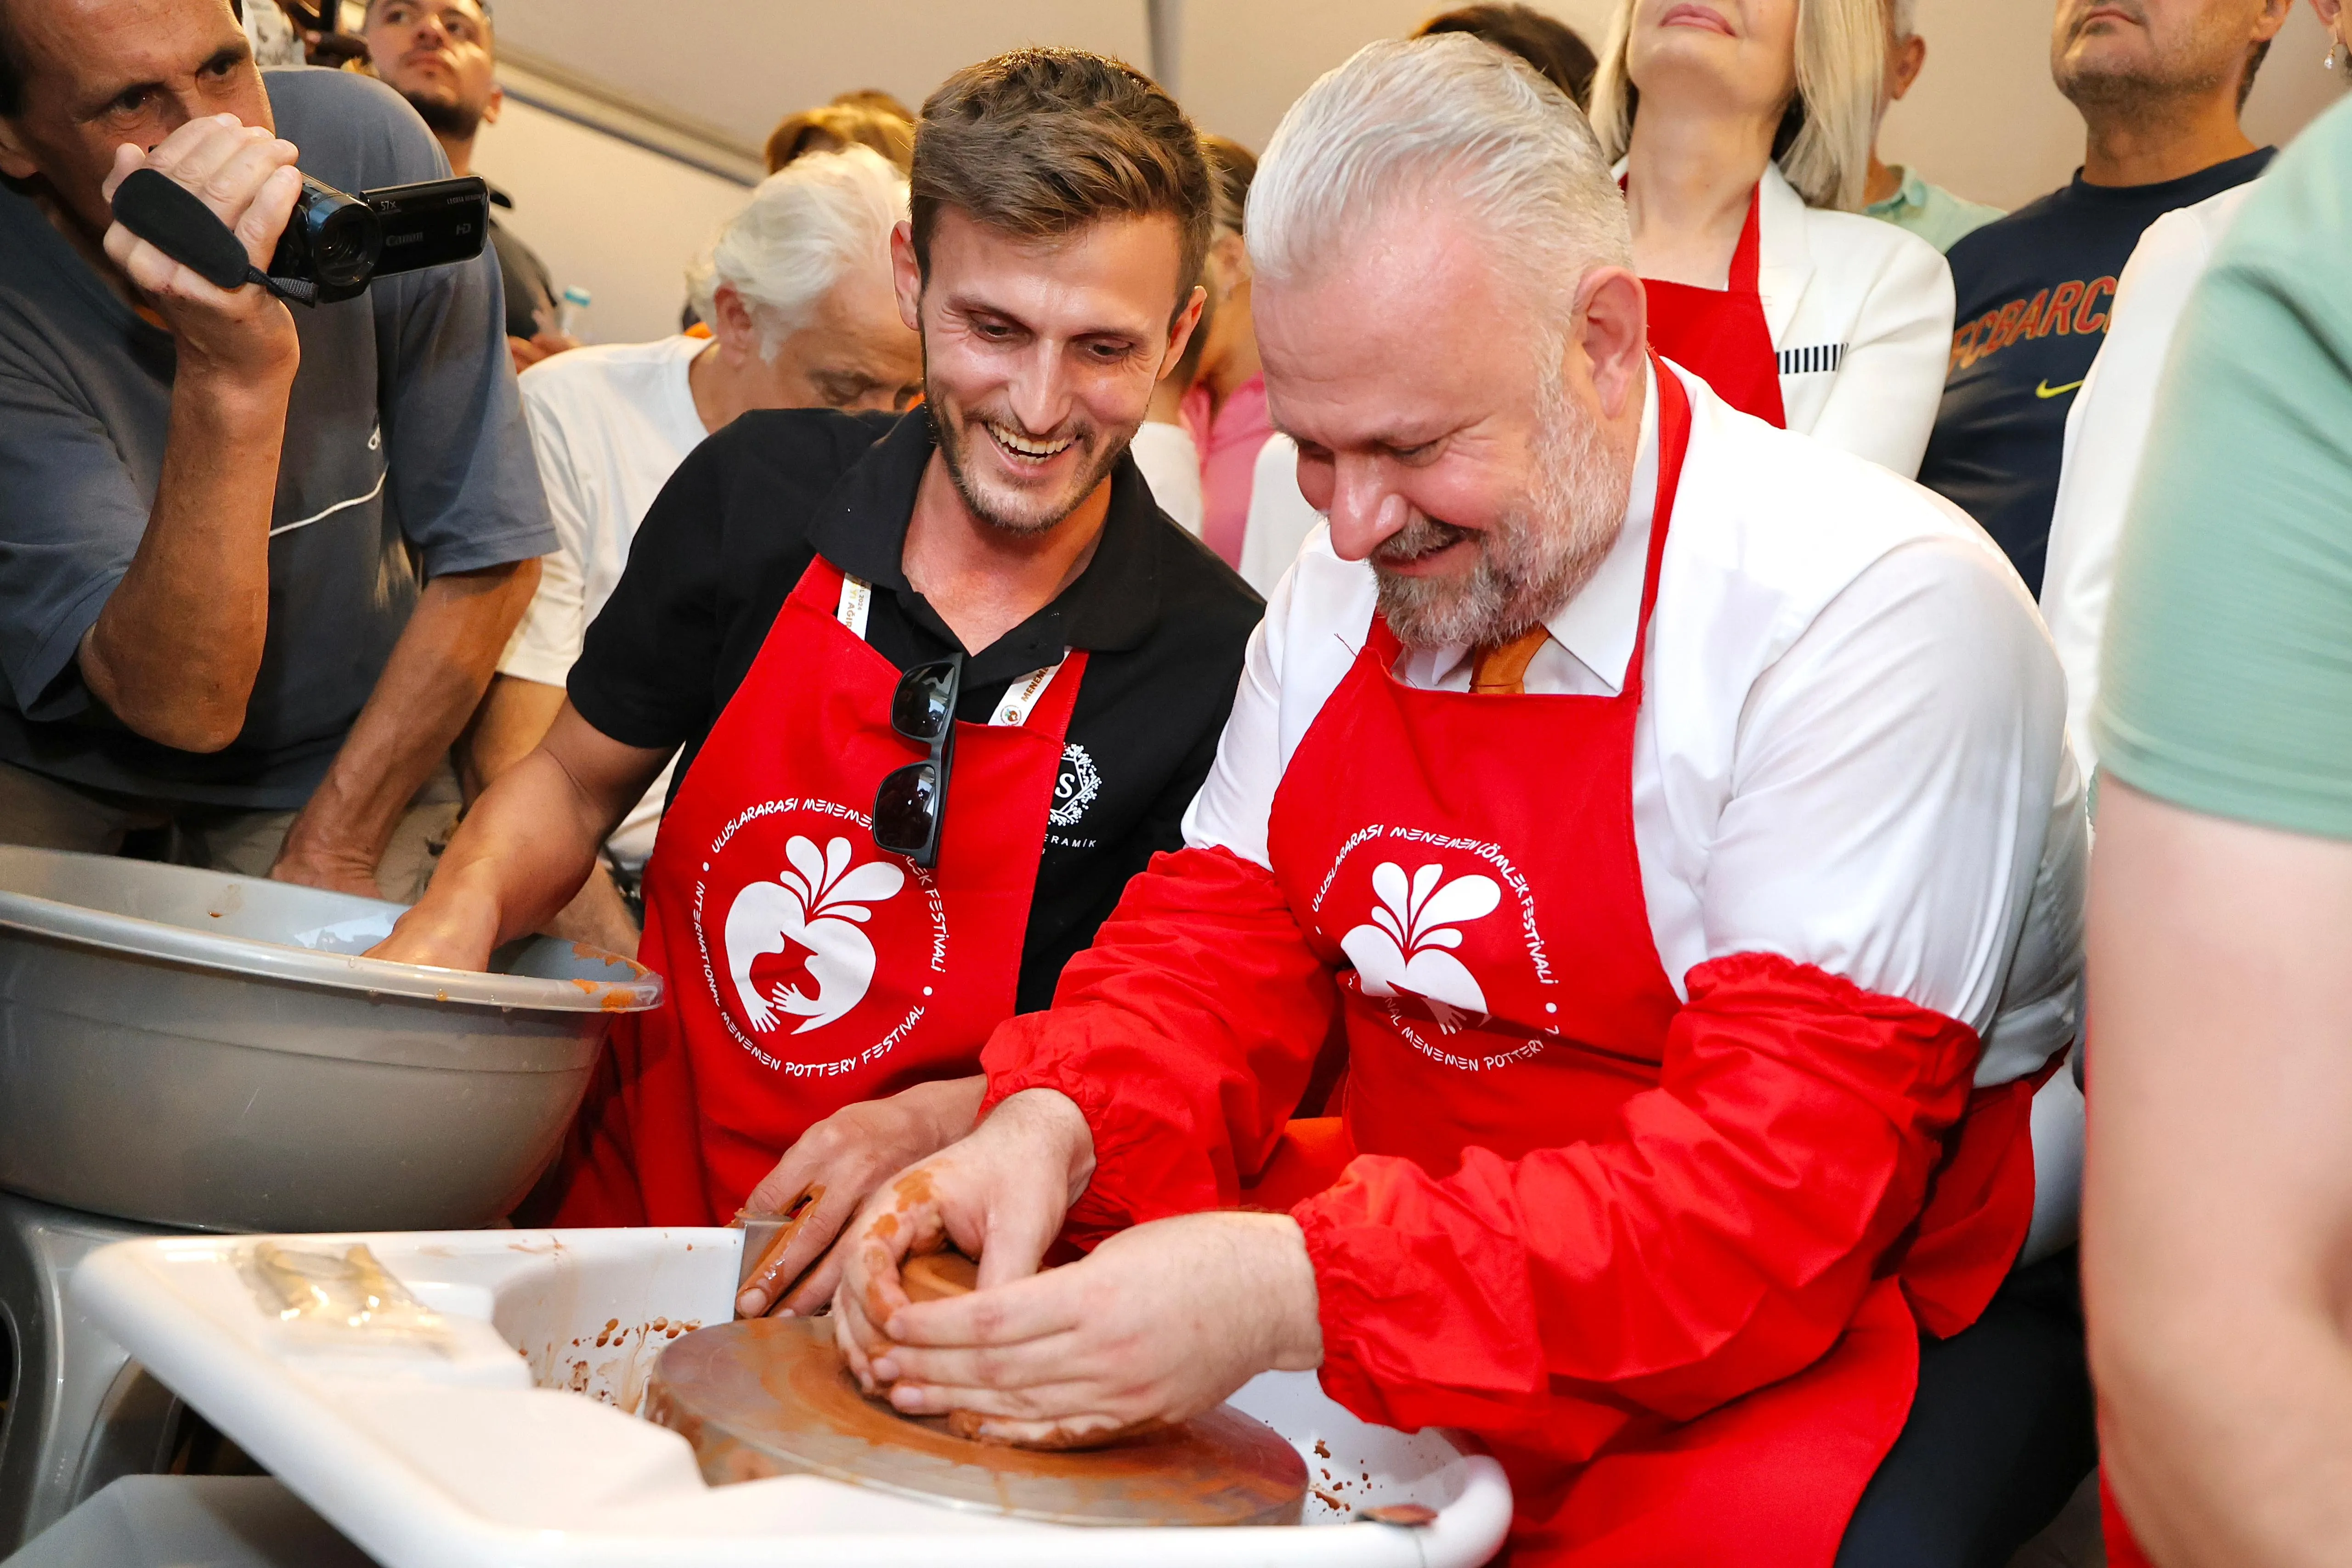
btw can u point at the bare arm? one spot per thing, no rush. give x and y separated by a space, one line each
526 847
513 719
174 652
429 689
2217 1196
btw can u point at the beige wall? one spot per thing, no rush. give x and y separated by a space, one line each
615 220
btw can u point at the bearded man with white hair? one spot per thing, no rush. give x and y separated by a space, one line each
1673 816
796 297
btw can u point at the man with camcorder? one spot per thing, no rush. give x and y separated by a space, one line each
257 560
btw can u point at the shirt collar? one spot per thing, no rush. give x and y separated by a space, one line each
861 527
1910 194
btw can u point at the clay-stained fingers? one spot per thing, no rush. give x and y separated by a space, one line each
814 1216
1055 1360
1053 1303
1079 1405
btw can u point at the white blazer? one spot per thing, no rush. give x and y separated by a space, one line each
1860 312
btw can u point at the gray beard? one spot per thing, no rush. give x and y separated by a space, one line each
1534 560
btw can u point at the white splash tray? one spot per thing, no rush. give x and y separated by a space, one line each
522 1448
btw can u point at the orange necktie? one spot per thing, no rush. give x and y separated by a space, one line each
1500 669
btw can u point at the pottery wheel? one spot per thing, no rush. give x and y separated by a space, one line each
772 1396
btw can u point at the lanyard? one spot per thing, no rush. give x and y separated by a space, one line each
1020 699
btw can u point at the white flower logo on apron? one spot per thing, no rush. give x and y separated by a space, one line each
1406 948
818 904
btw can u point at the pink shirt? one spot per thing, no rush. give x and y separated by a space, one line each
1228 443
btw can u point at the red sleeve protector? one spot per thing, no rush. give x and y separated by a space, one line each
1721 1240
1186 1034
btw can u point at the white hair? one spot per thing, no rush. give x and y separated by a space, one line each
803 230
1906 18
1446 120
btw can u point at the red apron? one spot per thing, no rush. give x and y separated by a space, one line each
807 968
1561 1002
1720 335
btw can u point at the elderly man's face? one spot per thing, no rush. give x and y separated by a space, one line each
438 55
2113 52
853 352
1435 437
100 73
1039 358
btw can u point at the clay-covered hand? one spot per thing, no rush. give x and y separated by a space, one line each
246 175
1163 1322
998 1196
842 1160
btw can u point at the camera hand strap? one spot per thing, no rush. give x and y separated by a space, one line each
175 221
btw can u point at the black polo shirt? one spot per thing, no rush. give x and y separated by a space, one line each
1163 622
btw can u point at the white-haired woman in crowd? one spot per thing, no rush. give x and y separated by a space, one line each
1744 130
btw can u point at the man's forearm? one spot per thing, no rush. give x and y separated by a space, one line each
429 689
175 650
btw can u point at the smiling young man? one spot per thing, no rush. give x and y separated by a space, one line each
2158 84
1673 814
808 595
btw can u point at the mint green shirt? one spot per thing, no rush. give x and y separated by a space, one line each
1931 212
2226 675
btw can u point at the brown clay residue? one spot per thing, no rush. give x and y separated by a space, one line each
1322 1451
937 1276
614 1000
772 1396
1328 1501
587 987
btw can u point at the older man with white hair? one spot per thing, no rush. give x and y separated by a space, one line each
797 294
1673 816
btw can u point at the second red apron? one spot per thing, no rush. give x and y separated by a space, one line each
1720 335
809 970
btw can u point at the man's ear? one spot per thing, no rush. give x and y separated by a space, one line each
1910 57
731 324
1180 333
1612 336
17 160
907 276
497 100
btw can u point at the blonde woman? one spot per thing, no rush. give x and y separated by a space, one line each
1743 129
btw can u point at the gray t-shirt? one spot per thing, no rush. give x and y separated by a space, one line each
405 457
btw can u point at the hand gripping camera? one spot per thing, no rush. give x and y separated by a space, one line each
334 243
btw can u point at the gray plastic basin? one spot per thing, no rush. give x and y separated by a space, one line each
191 1048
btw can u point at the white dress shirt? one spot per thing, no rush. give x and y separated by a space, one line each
1850 748
2105 431
609 425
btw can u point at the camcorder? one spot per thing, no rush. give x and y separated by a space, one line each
335 244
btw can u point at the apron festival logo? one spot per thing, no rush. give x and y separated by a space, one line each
807 933
812 904
1420 952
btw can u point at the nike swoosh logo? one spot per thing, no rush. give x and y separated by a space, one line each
2046 390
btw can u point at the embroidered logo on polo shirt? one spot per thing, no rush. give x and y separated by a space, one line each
1074 787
